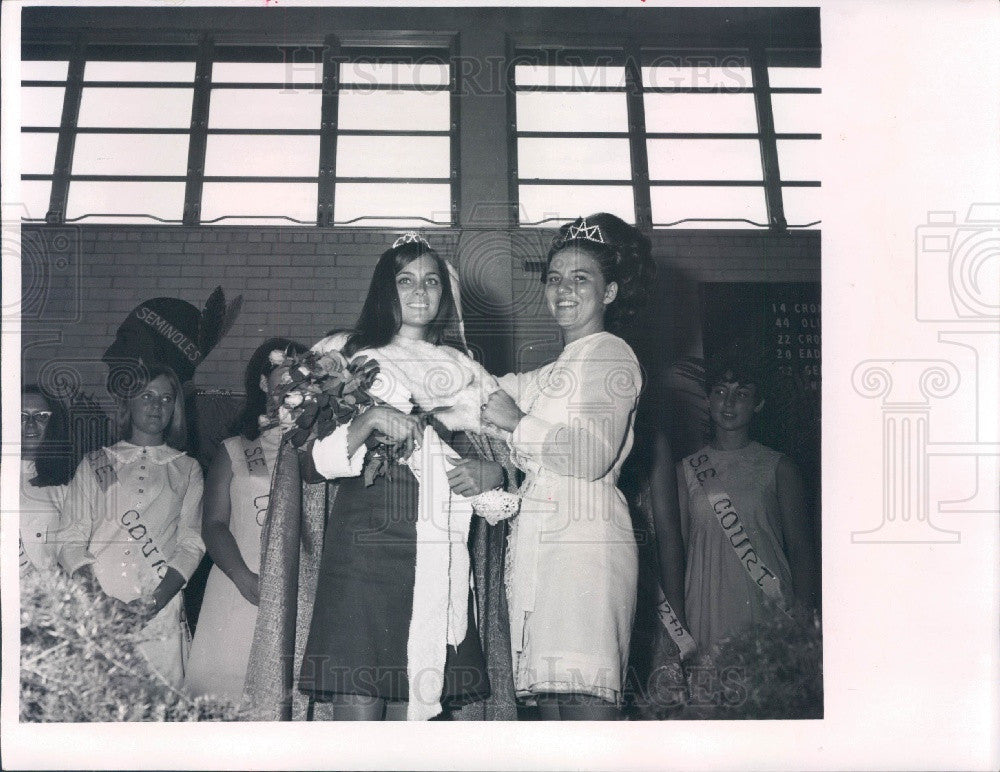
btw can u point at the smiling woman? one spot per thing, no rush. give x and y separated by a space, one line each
392 632
743 516
573 564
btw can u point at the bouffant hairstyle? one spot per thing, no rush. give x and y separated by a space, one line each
381 316
738 365
625 257
256 398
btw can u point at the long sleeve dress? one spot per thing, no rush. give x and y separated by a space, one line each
221 647
133 512
572 562
393 616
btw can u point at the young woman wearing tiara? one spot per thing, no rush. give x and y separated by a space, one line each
573 559
392 632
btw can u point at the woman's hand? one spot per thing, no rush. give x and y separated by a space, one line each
394 426
384 423
85 576
169 586
248 583
472 476
501 411
141 610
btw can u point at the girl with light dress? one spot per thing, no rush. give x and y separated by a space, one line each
237 491
46 469
743 516
131 524
573 558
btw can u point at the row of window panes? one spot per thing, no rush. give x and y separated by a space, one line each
241 155
726 76
424 75
669 159
166 108
270 200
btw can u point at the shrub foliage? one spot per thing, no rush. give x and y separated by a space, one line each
78 662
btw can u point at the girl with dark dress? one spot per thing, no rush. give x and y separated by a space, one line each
393 631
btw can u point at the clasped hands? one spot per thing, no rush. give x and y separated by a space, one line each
137 612
500 412
467 477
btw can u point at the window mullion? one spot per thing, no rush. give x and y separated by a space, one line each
198 139
637 138
513 189
454 68
768 142
328 131
72 97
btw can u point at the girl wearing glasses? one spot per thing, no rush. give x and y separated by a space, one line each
46 468
132 520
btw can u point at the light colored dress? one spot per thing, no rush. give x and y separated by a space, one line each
572 562
221 647
39 521
720 597
133 512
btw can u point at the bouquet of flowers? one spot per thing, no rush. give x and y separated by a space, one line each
317 393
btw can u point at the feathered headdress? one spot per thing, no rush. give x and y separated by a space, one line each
216 320
169 331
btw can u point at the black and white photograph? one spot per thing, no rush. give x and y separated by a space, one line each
466 363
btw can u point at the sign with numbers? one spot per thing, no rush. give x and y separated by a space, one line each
781 321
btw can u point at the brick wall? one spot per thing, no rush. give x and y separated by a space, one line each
80 283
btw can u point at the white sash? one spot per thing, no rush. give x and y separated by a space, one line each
441 577
130 520
253 454
729 520
678 633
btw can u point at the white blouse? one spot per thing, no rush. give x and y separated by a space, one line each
39 520
133 517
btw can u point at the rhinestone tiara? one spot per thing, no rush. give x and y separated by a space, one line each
585 232
410 238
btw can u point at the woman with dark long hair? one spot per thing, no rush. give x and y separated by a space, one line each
237 491
131 523
392 632
573 574
46 469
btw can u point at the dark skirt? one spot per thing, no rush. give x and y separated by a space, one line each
364 599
